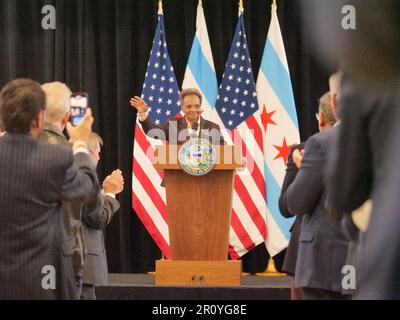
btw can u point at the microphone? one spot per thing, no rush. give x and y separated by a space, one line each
195 126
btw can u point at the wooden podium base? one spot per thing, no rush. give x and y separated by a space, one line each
198 273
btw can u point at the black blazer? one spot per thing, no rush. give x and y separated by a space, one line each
289 264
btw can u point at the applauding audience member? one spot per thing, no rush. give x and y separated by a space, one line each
95 220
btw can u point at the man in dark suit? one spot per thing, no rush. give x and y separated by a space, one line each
364 166
326 120
323 246
178 130
35 177
95 220
56 118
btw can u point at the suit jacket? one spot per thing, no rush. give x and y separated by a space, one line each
95 221
289 264
70 227
352 234
323 247
35 178
365 165
175 130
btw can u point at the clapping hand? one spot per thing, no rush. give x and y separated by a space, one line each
298 157
114 183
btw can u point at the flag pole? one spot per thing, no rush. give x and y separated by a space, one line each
241 9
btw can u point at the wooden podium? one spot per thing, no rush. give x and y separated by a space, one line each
199 219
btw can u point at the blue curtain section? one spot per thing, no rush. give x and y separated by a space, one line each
102 47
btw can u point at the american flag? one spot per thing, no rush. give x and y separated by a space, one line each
238 109
161 93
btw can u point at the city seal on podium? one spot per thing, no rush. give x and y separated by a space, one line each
197 157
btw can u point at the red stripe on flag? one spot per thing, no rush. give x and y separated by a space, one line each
251 208
233 254
150 189
256 174
141 139
241 232
150 226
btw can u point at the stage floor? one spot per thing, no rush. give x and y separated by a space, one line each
142 287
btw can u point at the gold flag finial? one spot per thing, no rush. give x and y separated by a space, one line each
201 2
160 8
241 8
274 3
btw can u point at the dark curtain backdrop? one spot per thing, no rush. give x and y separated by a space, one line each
102 47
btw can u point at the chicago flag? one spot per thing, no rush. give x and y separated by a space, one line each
280 130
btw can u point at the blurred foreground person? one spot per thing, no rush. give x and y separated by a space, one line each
364 167
2 132
362 36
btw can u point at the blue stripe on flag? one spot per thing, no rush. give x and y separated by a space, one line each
279 80
273 193
203 73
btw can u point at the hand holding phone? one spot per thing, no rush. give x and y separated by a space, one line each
81 131
79 102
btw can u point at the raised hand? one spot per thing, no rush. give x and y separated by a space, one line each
139 104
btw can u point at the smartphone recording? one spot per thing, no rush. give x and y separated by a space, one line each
79 103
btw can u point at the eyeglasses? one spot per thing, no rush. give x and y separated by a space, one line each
317 116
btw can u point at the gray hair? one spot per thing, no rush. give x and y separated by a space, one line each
57 101
93 141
